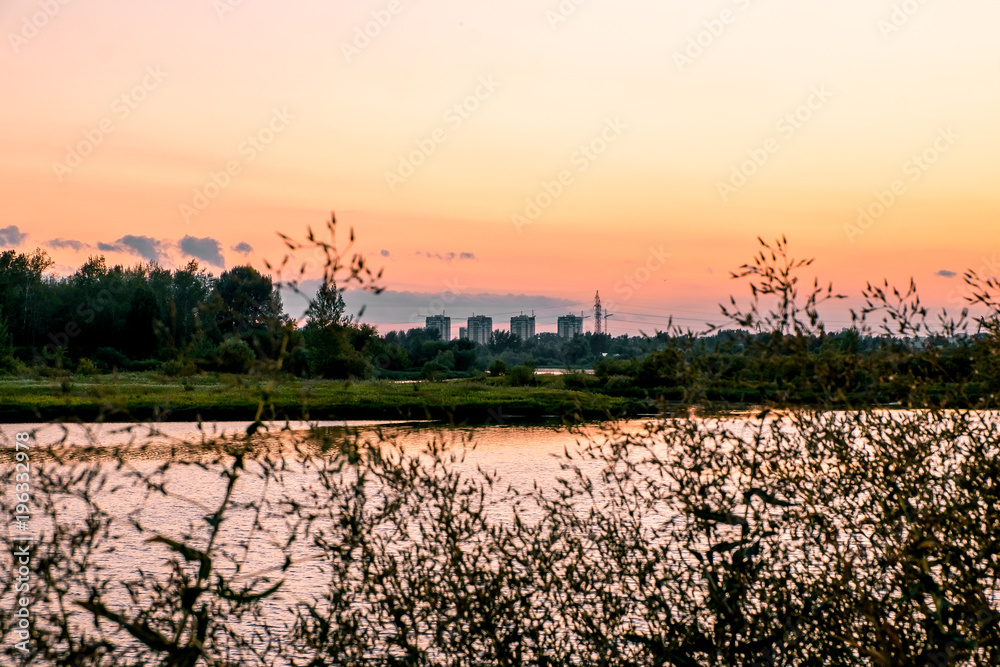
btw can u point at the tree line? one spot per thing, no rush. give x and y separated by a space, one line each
187 320
132 317
145 317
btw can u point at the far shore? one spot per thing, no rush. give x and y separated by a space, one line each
153 397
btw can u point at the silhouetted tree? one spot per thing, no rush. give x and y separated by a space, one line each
327 307
337 347
501 341
249 300
21 293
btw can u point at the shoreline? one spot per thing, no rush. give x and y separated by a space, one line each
150 398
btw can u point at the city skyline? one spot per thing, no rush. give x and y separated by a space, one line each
523 326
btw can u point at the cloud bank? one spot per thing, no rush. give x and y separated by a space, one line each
12 236
206 249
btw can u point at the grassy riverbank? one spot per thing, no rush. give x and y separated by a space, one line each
151 396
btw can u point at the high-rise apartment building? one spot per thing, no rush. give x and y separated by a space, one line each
440 323
479 329
523 326
569 326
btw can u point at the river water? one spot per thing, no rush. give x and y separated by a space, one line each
145 497
174 502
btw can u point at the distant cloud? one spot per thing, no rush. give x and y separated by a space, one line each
448 257
384 252
403 310
144 246
67 243
242 248
944 273
206 249
12 236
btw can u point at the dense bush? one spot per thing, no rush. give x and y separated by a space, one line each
109 358
178 368
86 367
521 376
580 381
497 368
235 356
433 371
203 351
603 368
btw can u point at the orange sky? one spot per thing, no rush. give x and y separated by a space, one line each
676 130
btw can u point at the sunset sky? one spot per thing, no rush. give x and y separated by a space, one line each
485 149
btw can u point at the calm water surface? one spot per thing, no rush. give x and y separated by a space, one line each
520 455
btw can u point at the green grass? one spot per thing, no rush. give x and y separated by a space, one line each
153 396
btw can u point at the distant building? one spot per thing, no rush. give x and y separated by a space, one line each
523 326
463 333
570 325
441 324
480 328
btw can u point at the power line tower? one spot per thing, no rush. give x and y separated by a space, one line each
598 320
